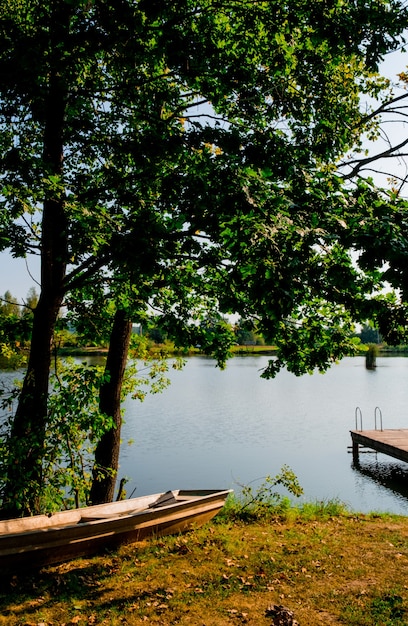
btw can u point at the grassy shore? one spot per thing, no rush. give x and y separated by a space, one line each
325 565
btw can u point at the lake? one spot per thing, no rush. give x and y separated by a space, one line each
215 428
223 429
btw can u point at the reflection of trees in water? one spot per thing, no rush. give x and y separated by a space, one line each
393 476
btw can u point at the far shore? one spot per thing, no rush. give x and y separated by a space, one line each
168 350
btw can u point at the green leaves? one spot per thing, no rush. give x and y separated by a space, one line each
267 498
74 428
182 160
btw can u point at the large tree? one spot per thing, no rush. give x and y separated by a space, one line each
179 156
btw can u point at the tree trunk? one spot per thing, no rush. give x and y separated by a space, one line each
108 448
24 478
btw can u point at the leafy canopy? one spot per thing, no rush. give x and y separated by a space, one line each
198 170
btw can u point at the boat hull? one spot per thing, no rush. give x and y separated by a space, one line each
37 541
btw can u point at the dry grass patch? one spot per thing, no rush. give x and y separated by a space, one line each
348 569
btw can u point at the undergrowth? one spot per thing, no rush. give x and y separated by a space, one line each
268 500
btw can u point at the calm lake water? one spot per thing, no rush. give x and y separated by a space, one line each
215 428
222 429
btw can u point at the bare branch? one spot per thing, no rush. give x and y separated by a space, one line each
87 269
30 274
384 107
359 164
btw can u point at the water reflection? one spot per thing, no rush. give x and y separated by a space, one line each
392 475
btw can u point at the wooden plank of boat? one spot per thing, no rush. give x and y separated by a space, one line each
42 540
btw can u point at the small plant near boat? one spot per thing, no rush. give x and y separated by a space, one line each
266 499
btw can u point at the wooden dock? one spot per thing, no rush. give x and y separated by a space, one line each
392 441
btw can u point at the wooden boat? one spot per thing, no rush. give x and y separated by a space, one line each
32 542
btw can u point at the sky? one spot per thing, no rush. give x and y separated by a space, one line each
19 275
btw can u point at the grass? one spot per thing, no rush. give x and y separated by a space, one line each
326 564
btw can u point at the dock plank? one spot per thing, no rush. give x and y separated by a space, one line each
392 442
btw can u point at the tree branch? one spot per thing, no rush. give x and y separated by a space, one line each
87 269
361 163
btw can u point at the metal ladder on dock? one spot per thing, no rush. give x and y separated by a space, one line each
359 418
377 415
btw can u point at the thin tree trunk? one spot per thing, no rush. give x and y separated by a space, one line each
108 448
